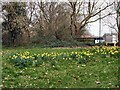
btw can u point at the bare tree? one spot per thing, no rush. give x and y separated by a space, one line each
75 14
53 17
118 20
59 19
86 10
115 16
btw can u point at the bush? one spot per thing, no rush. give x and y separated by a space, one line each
66 44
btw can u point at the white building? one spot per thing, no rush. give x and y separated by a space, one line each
110 38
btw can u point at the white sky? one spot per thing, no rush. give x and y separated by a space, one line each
93 27
51 0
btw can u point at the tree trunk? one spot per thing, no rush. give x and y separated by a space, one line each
71 25
118 27
119 34
12 34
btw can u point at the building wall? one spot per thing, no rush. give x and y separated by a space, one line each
110 38
114 38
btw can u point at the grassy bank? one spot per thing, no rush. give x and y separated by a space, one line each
60 67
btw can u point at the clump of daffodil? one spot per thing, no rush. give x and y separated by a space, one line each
85 55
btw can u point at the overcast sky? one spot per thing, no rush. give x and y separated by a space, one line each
93 27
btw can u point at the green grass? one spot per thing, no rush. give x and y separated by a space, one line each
101 72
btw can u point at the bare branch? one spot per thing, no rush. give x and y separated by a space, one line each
102 10
101 17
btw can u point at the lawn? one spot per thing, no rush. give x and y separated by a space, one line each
91 67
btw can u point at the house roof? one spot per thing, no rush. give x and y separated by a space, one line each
106 34
86 35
